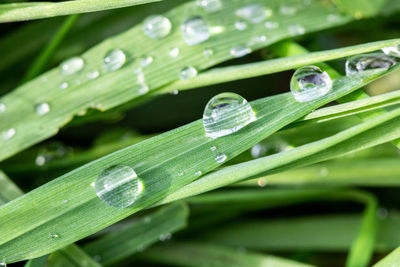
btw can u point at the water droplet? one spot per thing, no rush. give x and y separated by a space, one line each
225 114
240 51
393 51
143 89
288 10
195 30
40 160
382 213
208 52
146 61
2 107
257 39
165 237
114 59
93 75
254 13
156 26
271 25
3 263
240 25
51 151
147 219
54 235
333 18
180 173
64 85
364 62
259 150
65 201
118 186
310 83
8 134
72 65
42 109
187 73
261 182
296 29
198 173
210 6
220 158
174 52
213 148
323 172
174 92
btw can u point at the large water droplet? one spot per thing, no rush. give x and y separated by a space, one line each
114 59
220 158
240 25
156 26
240 51
8 134
310 83
72 65
364 62
210 6
254 13
42 108
393 51
187 73
118 186
225 114
2 107
174 52
195 30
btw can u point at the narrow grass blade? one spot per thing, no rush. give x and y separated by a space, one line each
391 260
8 190
38 10
71 255
38 262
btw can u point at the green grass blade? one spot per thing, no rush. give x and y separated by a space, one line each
42 60
38 262
112 89
39 10
71 255
142 233
199 254
166 155
391 260
8 190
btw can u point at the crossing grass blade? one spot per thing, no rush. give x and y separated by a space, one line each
9 190
390 260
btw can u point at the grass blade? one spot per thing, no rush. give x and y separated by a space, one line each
9 190
71 255
391 260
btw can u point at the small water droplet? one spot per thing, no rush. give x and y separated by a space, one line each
195 30
333 18
220 158
187 73
156 26
2 107
288 10
65 201
310 83
261 182
198 173
296 29
92 75
240 51
259 150
92 184
208 52
118 186
147 219
393 51
165 237
143 89
51 151
213 148
8 134
72 65
257 39
210 6
54 235
64 85
225 114
40 160
174 52
271 25
114 59
174 92
254 13
3 263
382 213
180 173
364 62
240 25
146 61
42 108
323 172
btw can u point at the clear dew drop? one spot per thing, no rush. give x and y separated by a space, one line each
93 75
54 235
213 148
143 89
208 52
51 151
210 6
393 51
220 158
288 10
174 92
114 59
8 134
261 182
187 73
3 263
310 83
259 150
323 172
156 26
198 173
118 186
253 13
195 30
333 18
225 114
64 85
145 61
165 237
271 25
42 108
72 65
365 62
174 52
257 40
240 25
296 29
2 107
240 51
